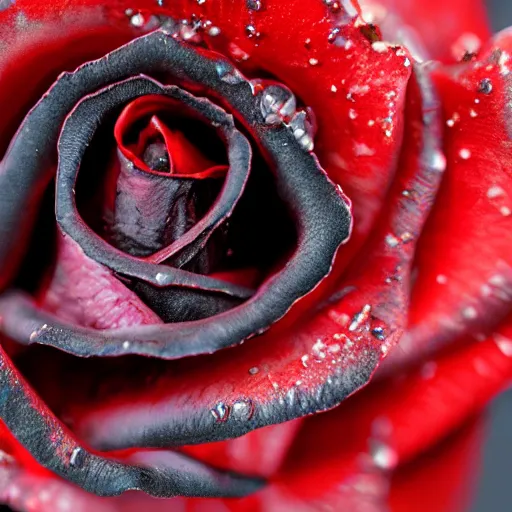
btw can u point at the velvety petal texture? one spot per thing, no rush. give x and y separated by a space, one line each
220 218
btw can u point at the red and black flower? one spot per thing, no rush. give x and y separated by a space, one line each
225 215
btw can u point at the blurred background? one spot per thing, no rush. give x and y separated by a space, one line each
501 13
494 490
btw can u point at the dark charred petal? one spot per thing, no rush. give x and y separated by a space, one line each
152 211
306 369
71 149
183 305
320 210
162 474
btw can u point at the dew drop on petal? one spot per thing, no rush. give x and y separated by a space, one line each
504 344
254 5
469 313
465 154
277 104
137 20
213 31
161 278
392 240
220 412
303 129
228 73
495 191
254 370
251 31
77 457
437 161
485 86
243 409
360 317
333 34
384 457
441 279
378 332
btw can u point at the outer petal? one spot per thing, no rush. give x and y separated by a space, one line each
300 371
464 274
446 30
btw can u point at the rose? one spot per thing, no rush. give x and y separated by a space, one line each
333 339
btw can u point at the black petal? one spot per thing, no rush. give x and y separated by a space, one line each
320 211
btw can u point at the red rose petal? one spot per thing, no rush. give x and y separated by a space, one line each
464 259
184 158
446 29
308 368
356 92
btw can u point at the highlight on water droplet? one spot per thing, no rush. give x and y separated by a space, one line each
220 412
277 104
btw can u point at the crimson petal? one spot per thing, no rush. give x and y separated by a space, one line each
464 282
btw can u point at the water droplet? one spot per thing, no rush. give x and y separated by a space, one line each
220 412
485 86
441 279
437 161
384 457
188 32
333 5
360 317
334 88
251 31
277 104
161 278
333 34
254 370
380 46
201 2
126 345
406 237
303 128
77 457
469 313
138 20
505 211
465 154
378 332
304 360
313 62
318 349
392 240
243 409
495 191
213 31
254 5
228 73
504 344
